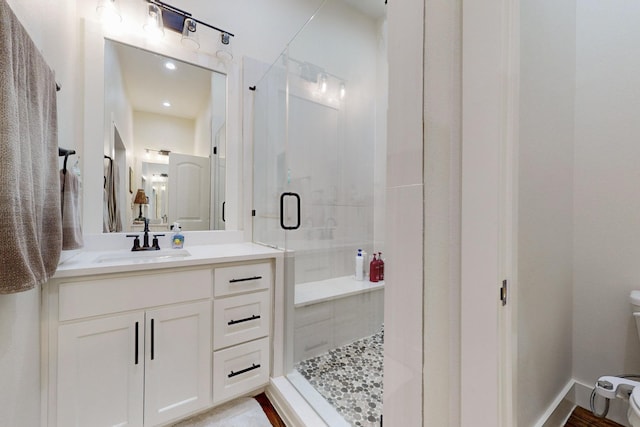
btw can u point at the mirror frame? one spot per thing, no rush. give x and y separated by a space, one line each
95 130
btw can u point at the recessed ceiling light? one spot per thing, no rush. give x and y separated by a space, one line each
166 104
170 65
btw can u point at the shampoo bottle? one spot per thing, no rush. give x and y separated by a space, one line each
359 265
380 267
373 269
177 240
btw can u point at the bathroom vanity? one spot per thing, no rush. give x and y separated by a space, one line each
148 339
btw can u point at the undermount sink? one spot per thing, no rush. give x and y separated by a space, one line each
144 256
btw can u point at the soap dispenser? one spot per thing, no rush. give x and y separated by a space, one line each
177 240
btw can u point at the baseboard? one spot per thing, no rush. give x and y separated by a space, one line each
291 406
560 409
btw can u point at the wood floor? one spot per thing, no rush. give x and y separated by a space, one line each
584 418
270 411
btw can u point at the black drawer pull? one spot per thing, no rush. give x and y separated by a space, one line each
235 322
251 368
245 279
136 355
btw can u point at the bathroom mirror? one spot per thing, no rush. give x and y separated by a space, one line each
168 120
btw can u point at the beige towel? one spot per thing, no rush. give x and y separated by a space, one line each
111 217
70 203
30 223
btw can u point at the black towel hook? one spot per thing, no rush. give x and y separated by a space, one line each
66 153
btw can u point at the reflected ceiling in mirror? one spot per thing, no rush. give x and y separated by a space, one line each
161 110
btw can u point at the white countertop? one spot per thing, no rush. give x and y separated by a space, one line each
101 262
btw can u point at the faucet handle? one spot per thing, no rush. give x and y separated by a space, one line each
136 242
155 243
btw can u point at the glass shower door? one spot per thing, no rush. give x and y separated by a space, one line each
318 194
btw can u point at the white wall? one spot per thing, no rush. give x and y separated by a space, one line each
160 132
545 205
52 27
607 194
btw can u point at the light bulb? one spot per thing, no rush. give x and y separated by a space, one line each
343 90
154 26
323 84
109 12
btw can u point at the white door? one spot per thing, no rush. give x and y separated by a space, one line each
177 361
101 372
189 191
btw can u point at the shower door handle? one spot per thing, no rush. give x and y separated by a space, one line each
282 224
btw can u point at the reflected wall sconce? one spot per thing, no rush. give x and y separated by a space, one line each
140 199
164 15
343 90
323 83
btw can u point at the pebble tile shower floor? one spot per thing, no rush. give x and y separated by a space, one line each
350 379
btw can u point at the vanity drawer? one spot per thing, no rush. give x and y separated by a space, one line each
243 278
241 318
240 369
112 295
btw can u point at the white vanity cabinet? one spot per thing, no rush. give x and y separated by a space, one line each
148 347
148 366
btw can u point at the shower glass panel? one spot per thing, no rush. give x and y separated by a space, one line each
319 150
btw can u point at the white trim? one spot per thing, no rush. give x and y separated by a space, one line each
508 315
291 406
562 403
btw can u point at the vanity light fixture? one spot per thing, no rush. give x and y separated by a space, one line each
154 25
182 22
189 36
109 12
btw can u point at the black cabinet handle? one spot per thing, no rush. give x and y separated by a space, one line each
235 322
282 197
223 205
136 356
245 279
250 368
152 340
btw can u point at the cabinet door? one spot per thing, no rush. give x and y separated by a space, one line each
101 372
178 361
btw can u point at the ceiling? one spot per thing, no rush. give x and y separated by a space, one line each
373 8
149 83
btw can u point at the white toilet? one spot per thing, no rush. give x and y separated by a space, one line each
633 414
611 387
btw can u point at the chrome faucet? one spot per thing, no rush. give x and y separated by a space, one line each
155 246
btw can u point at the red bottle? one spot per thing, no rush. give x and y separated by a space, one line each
380 267
373 269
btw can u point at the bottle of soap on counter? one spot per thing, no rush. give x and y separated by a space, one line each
380 267
177 240
359 265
